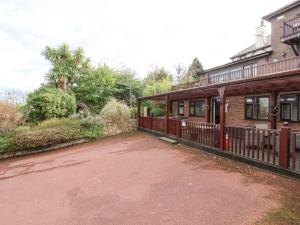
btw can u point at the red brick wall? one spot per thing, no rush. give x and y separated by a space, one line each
277 46
235 114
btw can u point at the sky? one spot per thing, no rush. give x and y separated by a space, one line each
136 34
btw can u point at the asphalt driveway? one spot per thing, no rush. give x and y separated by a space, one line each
129 179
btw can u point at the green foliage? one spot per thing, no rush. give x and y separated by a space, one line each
157 112
158 87
115 111
92 127
36 138
194 70
158 74
5 142
96 88
133 112
127 88
67 65
46 103
56 123
51 132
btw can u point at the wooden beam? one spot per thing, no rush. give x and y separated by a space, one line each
222 116
167 110
273 102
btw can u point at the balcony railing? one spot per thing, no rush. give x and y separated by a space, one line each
280 66
291 27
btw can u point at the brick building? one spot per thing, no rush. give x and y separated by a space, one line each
243 104
269 57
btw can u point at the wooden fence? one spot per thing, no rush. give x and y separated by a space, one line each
275 147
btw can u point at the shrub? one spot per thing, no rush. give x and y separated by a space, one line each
92 127
5 140
10 117
36 138
156 112
56 123
46 103
133 112
117 112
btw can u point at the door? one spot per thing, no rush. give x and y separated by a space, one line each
216 112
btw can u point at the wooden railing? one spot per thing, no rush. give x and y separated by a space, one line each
285 65
152 123
202 133
280 148
197 83
291 27
258 144
295 151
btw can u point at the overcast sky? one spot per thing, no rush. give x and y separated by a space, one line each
137 34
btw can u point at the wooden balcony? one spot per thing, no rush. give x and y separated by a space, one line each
291 31
229 75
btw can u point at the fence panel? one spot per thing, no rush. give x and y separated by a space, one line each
258 144
294 153
203 133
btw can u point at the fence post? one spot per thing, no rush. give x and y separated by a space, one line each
178 128
284 146
167 112
222 116
138 112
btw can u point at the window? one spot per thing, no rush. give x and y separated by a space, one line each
290 107
257 108
181 108
197 108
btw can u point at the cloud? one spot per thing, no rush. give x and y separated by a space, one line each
135 33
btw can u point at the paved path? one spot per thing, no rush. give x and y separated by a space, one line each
130 179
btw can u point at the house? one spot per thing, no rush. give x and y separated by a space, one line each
254 94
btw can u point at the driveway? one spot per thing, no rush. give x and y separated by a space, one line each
129 179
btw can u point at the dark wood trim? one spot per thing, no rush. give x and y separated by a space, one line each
167 103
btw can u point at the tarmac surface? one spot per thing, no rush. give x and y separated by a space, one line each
132 179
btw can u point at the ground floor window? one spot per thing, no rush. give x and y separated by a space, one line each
289 105
197 108
181 108
257 108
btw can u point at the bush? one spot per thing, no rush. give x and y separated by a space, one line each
133 112
10 117
157 112
56 123
92 127
5 140
117 112
46 103
51 132
36 138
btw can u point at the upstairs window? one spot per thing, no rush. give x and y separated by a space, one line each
197 108
289 105
257 108
181 108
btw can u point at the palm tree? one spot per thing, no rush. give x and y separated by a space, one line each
67 65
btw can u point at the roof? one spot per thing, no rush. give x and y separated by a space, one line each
281 10
253 48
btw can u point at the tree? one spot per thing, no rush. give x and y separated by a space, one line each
127 88
157 74
67 65
45 103
158 87
180 73
194 69
96 87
